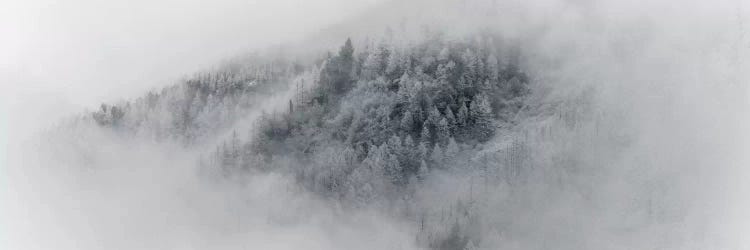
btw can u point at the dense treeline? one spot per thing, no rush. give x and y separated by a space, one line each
365 126
378 120
382 117
199 106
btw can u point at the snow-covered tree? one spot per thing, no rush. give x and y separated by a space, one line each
393 169
437 154
462 118
471 67
451 150
425 133
481 114
423 150
443 131
423 171
425 104
407 122
376 62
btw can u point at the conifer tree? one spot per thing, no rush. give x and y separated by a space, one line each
434 115
442 131
451 119
337 71
462 118
375 63
481 114
394 144
393 66
471 66
423 171
437 154
393 169
407 122
444 72
408 142
451 150
423 151
425 134
346 53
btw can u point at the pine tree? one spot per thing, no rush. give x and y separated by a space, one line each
337 71
381 126
425 134
485 86
444 72
377 159
349 156
226 157
407 122
346 53
437 154
356 124
234 145
423 171
451 150
409 155
443 132
375 63
416 112
405 89
462 118
394 145
434 115
408 142
393 66
393 169
481 114
422 150
516 87
471 66
196 106
451 119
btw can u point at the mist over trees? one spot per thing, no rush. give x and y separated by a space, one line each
470 139
386 122
203 105
365 126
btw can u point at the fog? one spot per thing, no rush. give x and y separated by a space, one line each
60 57
670 78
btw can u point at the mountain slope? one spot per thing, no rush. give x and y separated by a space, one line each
365 127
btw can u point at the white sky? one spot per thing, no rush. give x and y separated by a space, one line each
88 49
58 57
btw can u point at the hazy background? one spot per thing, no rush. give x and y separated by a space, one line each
58 58
63 56
674 72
